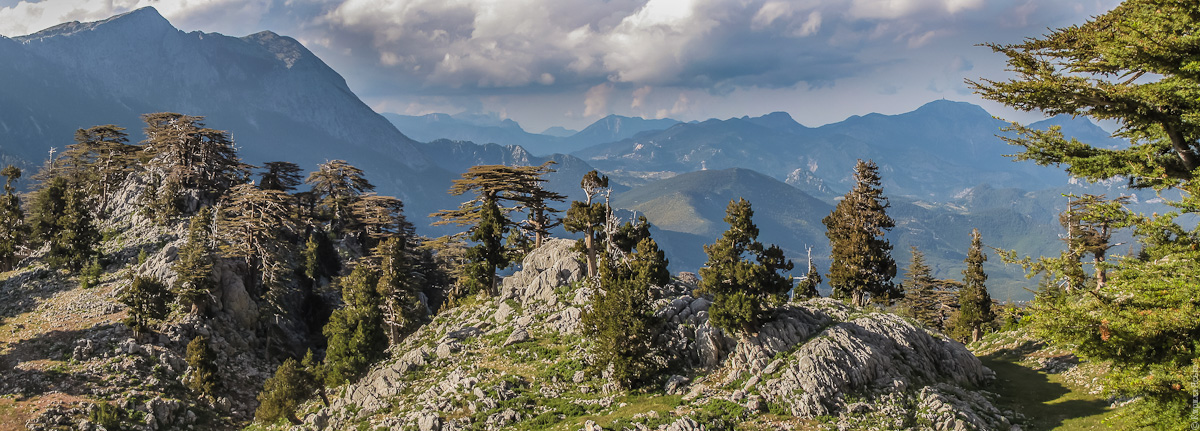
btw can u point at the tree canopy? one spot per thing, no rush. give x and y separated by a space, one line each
862 266
745 292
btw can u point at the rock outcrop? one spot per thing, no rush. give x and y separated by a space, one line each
495 362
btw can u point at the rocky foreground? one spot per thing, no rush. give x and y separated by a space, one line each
519 362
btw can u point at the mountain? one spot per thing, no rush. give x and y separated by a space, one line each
278 99
491 130
481 129
934 152
559 131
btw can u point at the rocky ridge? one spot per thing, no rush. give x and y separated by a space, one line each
518 361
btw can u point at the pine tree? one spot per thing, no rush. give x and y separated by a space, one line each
203 363
194 265
919 299
355 332
147 300
186 155
398 289
590 216
378 217
862 267
12 220
60 216
98 162
744 293
254 225
974 304
489 252
337 185
282 393
620 321
281 176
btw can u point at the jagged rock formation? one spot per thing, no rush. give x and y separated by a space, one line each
495 362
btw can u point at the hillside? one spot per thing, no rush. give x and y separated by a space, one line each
490 130
518 362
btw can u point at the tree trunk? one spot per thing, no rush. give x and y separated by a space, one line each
591 254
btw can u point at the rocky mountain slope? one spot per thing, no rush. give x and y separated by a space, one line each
518 362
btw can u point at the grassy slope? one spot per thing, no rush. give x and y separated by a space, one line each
1049 400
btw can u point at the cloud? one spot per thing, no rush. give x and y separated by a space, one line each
595 102
639 97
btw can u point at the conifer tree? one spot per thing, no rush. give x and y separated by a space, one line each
744 292
919 299
337 185
283 393
974 304
862 267
147 300
98 162
281 176
320 258
489 252
203 362
60 215
354 333
12 219
620 320
398 288
186 155
590 216
378 217
254 225
194 265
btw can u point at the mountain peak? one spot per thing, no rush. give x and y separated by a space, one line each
144 19
943 107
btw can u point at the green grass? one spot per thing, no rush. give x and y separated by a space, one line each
1046 400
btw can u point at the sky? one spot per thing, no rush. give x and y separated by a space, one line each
568 63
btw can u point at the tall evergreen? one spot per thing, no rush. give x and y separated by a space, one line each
60 215
620 321
254 225
974 304
489 252
744 292
281 176
398 288
919 293
194 265
862 267
98 162
186 155
282 393
12 219
355 333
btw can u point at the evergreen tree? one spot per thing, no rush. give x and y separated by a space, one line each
147 300
919 299
194 265
254 225
60 216
12 220
337 185
355 332
186 155
1092 221
281 176
489 252
378 217
974 304
203 363
621 321
320 258
398 289
98 162
283 393
862 267
590 216
744 293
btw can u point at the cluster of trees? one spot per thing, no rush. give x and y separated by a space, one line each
282 242
1135 66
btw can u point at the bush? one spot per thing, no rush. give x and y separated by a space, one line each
202 359
107 416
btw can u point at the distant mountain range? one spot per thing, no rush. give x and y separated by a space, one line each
942 165
491 130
